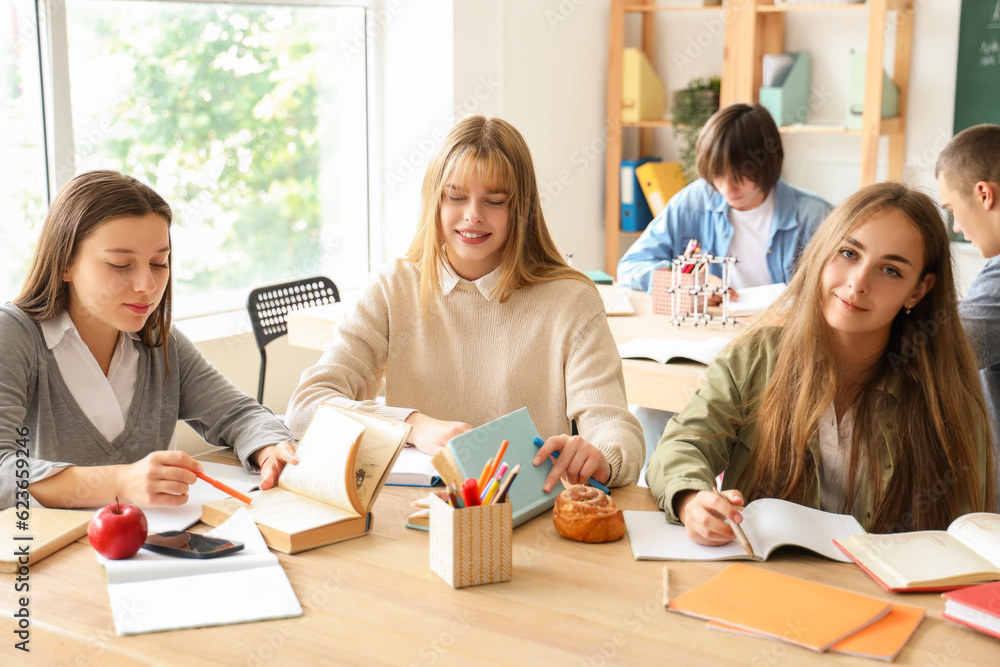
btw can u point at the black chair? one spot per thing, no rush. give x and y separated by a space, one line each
269 307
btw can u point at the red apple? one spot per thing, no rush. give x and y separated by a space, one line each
117 531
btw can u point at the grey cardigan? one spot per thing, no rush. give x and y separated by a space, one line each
34 396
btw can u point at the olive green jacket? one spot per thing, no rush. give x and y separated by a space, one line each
715 433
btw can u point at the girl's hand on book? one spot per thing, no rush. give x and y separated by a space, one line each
429 434
704 515
272 460
160 479
578 461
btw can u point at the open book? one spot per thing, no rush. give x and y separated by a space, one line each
665 350
151 592
931 560
344 460
767 522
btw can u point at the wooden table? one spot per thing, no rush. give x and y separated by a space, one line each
647 383
374 600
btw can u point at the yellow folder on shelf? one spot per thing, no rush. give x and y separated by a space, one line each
642 91
659 182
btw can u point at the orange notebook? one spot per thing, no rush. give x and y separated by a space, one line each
795 610
882 640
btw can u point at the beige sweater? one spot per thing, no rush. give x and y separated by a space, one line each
548 348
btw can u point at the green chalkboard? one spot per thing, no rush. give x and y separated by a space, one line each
977 86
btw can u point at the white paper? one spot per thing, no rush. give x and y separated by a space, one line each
412 468
151 592
181 517
753 299
776 67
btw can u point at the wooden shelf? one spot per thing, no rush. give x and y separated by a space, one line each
886 127
781 9
754 28
643 9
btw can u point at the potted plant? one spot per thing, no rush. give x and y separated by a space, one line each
693 106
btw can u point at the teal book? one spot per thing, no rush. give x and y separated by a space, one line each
473 449
600 277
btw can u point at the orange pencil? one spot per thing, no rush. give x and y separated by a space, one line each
498 459
485 475
223 487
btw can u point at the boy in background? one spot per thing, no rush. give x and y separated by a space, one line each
740 207
968 175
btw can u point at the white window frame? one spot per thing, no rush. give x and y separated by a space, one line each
58 121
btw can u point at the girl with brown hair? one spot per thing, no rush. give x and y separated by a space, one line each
855 392
93 378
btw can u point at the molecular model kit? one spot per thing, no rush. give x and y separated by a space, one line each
682 290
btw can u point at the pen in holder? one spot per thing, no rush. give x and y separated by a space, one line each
472 545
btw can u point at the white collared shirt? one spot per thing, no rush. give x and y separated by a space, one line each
105 400
485 285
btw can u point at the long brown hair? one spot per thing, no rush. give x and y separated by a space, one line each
82 205
499 153
926 380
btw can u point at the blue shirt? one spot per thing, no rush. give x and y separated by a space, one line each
981 317
700 212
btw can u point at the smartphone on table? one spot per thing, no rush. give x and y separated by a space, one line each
183 544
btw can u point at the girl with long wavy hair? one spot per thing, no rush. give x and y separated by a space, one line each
855 392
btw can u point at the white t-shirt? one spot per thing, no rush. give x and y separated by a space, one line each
751 240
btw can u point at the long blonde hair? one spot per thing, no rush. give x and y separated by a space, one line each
496 151
939 413
81 206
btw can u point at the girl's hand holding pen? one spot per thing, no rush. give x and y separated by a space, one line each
704 515
578 461
158 479
272 460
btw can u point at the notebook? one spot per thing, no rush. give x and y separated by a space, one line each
794 610
882 640
768 523
413 468
34 534
474 448
151 592
665 350
977 607
931 560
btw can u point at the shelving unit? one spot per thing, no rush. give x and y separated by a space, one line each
755 28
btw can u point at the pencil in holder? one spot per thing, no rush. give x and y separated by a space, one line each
472 545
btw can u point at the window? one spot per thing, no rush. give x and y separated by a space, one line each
23 196
249 119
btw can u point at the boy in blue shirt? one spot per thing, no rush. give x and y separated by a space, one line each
968 175
739 207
